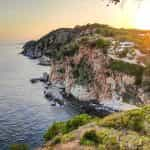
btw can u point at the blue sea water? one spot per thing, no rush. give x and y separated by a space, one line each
24 113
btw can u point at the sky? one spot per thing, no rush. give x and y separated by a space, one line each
30 19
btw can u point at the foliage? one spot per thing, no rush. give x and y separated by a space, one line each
90 138
131 69
125 130
135 120
65 127
68 50
147 70
56 140
104 44
123 53
67 137
19 147
76 122
82 72
54 130
111 143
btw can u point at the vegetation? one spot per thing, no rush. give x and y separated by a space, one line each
123 53
65 127
64 51
90 138
82 72
104 44
131 69
19 147
125 130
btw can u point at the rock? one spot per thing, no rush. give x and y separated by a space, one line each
60 102
53 104
35 80
30 50
45 77
45 61
54 94
53 41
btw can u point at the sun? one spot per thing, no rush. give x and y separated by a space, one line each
142 19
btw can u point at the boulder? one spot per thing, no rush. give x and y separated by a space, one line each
44 60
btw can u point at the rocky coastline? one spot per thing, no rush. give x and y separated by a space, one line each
91 67
55 92
97 70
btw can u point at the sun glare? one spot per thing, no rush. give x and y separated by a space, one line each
143 16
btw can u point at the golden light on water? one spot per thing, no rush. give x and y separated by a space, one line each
142 19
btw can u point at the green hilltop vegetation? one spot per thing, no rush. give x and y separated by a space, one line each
123 131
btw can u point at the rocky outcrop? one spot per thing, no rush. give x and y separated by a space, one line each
44 61
29 49
49 44
79 57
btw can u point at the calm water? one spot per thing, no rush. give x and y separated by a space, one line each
24 113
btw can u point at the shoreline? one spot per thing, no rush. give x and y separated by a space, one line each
57 96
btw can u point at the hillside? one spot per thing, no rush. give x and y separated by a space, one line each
123 131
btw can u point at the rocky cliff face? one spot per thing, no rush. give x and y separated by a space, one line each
51 43
80 57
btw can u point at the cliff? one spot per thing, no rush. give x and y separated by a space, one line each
95 62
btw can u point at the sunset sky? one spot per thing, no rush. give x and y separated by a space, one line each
29 19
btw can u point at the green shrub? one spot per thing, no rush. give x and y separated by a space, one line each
54 130
104 44
101 147
62 52
131 69
111 143
133 120
56 140
76 122
89 138
136 121
123 53
19 147
65 127
68 137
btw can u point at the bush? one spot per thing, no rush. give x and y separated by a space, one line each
19 147
76 122
123 53
54 130
65 127
56 140
133 120
104 44
68 137
111 143
131 69
61 52
101 147
89 138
